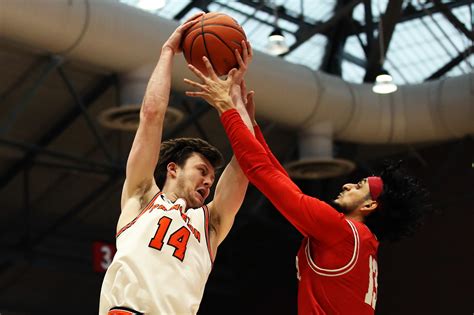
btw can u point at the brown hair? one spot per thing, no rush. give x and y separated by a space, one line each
179 150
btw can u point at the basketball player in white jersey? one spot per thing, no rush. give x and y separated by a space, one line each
167 237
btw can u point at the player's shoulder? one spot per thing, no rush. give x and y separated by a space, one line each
364 233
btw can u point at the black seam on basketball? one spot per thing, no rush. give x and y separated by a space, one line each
223 25
205 45
202 20
191 49
230 48
211 17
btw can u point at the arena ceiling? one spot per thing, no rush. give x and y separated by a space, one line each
422 40
61 171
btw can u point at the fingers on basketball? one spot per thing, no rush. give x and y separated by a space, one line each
216 37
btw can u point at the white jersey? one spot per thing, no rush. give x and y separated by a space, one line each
162 262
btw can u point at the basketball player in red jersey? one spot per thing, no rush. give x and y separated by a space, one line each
337 261
167 238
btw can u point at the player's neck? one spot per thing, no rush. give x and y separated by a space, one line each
171 191
355 216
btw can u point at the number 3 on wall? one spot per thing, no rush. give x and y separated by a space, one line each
371 295
178 240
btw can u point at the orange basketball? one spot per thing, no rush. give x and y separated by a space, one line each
215 36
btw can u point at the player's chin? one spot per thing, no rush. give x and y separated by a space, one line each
197 201
336 204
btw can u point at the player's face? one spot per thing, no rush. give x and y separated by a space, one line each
195 179
353 196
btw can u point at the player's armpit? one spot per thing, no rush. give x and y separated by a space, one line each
134 201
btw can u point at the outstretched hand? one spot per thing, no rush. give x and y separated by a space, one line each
174 41
244 62
214 90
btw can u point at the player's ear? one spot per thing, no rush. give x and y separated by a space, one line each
369 206
171 169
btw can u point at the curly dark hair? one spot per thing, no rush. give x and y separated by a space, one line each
179 150
402 205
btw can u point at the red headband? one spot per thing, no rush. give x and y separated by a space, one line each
375 186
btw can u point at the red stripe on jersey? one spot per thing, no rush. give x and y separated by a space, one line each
122 311
206 228
148 206
339 271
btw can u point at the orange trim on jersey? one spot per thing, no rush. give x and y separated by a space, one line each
339 271
148 206
122 311
206 229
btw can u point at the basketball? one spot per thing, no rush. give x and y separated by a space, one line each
215 36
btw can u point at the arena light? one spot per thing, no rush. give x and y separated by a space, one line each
384 84
277 43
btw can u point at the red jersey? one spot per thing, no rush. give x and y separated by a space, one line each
337 261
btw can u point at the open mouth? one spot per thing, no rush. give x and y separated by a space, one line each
202 192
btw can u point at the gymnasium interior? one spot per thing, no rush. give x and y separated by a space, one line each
73 73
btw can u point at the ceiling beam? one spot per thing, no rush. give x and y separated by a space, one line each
10 118
22 78
369 27
334 50
89 120
282 14
388 20
55 131
77 161
306 31
77 209
451 64
410 13
200 4
448 14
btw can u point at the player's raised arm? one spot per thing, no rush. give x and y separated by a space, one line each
250 107
301 210
232 185
145 149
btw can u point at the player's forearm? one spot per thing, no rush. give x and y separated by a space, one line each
158 89
261 172
145 149
261 139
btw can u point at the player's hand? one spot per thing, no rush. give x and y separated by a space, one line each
244 62
214 90
174 41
